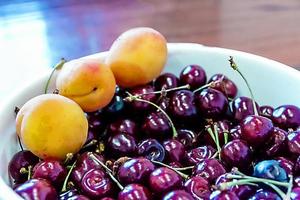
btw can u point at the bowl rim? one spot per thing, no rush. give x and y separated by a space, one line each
173 49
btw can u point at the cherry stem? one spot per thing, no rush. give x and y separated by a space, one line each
215 136
279 191
69 157
260 180
56 67
108 171
185 176
235 67
64 188
164 90
288 194
20 144
134 98
90 144
183 168
211 84
225 137
29 172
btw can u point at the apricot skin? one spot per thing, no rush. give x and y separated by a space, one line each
50 126
88 82
137 56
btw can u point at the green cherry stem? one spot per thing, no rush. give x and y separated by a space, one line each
56 67
185 176
164 90
215 136
29 172
217 140
289 190
64 187
279 191
134 98
211 84
235 67
183 168
108 171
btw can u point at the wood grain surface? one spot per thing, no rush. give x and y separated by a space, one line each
37 34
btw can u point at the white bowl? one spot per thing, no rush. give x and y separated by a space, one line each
273 83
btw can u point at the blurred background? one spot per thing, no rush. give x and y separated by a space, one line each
35 34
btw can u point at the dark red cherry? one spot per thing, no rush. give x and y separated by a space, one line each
121 145
166 81
51 170
135 192
297 181
237 153
96 184
293 141
194 75
156 125
175 150
211 103
196 155
243 191
224 85
115 107
297 167
187 137
175 165
142 106
178 195
266 111
235 132
22 159
209 169
107 198
96 121
295 194
265 194
136 170
39 189
255 130
276 143
182 106
223 195
286 164
242 107
198 187
72 195
163 180
286 116
85 163
126 126
163 103
152 150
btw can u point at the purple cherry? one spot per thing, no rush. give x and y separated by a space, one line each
182 105
152 150
198 187
121 145
209 169
242 107
223 195
22 159
135 192
136 170
286 164
96 184
194 75
243 191
266 111
164 180
276 143
178 195
156 125
255 130
96 121
295 194
286 116
237 153
175 150
187 137
126 126
143 106
265 194
293 141
39 189
166 81
211 103
224 85
196 155
235 132
51 170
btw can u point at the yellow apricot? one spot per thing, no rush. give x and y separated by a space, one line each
137 56
88 82
51 126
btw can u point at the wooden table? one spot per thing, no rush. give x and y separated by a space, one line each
36 34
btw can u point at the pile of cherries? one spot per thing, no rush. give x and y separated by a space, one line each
175 139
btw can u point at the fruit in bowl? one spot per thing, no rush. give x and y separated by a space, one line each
193 132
